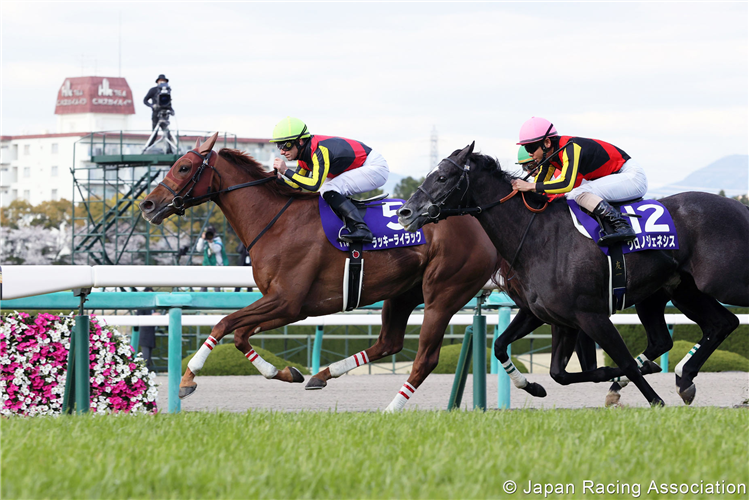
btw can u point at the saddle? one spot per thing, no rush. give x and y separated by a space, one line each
655 232
381 215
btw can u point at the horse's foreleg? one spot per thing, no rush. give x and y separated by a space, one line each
427 356
267 370
651 312
271 308
395 313
523 324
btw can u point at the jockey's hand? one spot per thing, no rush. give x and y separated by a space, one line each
521 185
280 166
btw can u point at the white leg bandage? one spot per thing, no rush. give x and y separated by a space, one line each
683 362
641 360
401 398
517 378
345 365
266 369
197 361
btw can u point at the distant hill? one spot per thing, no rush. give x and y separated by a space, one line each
731 174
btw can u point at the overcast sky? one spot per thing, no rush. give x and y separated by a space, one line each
666 82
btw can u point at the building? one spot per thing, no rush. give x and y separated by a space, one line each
93 118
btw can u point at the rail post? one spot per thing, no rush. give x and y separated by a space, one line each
461 371
174 363
317 349
78 379
479 357
503 380
664 356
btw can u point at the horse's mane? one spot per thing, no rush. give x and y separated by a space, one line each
256 170
491 165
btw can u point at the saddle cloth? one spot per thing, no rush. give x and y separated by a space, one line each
382 218
655 228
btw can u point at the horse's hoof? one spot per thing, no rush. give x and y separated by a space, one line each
688 394
296 375
612 399
649 367
315 384
187 391
535 390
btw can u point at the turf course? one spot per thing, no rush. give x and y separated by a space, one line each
372 455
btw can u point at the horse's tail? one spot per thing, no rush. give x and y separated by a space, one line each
500 275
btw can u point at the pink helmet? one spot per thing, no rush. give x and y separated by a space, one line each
536 129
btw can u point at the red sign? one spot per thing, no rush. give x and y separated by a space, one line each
95 94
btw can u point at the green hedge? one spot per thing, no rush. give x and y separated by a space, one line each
225 359
449 360
719 361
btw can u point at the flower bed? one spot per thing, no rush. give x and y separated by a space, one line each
34 363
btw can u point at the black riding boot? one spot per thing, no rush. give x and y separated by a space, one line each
358 230
615 228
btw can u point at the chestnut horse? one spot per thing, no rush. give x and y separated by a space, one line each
300 274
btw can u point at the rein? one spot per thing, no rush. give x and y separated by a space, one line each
178 202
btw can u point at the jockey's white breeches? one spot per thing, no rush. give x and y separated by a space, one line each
371 175
627 184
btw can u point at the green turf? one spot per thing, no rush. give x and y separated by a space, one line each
370 455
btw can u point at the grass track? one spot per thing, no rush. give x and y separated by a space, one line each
370 455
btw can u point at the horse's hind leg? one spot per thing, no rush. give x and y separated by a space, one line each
395 313
523 324
716 323
600 329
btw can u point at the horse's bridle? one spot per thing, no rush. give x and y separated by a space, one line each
178 202
435 211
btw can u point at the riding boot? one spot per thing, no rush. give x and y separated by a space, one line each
345 209
615 228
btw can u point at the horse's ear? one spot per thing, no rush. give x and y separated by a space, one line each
207 146
197 144
467 150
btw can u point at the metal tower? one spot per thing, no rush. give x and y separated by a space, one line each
433 155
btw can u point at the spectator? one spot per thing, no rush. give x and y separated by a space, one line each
243 260
213 251
147 338
159 98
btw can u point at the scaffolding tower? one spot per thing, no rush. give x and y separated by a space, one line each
110 179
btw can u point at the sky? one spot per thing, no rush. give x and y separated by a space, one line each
666 82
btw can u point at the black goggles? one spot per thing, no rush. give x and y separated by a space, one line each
532 147
285 146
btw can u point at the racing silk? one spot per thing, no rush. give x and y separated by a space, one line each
579 159
326 157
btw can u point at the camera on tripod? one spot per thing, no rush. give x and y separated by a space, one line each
164 97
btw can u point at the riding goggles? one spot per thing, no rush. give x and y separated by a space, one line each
285 146
532 147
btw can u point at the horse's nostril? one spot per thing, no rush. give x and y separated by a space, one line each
146 206
404 212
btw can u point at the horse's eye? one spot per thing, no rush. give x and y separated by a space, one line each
184 168
441 178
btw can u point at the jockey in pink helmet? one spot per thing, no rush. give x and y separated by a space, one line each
591 172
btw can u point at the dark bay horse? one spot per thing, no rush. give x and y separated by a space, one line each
564 276
300 274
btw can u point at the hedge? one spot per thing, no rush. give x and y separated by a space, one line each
225 359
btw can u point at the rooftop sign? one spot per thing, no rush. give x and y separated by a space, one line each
95 94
